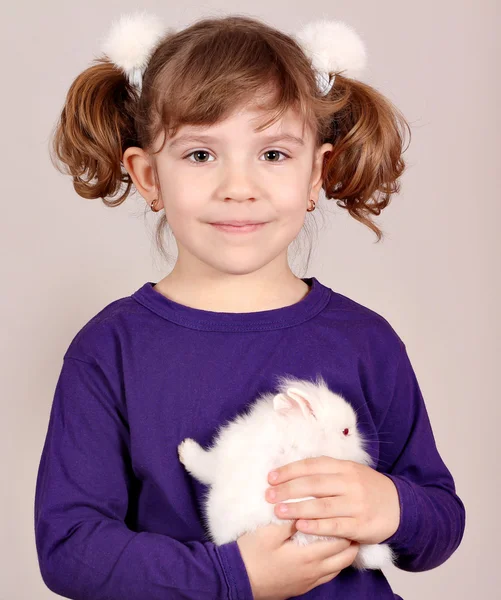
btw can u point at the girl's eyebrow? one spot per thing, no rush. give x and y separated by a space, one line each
287 137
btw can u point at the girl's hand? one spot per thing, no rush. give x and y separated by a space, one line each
279 568
353 501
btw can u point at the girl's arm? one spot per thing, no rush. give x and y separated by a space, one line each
84 548
432 519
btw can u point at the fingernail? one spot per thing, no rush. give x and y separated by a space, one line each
271 494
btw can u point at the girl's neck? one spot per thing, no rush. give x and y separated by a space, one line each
237 295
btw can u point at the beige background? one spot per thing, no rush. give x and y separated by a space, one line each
435 277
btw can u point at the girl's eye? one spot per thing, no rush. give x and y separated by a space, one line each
276 152
199 152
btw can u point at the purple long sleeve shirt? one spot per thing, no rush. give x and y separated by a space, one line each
117 516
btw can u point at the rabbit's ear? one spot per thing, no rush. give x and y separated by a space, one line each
293 400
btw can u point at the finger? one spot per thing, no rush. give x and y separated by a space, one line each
316 508
338 526
285 530
319 485
325 579
323 549
308 466
341 560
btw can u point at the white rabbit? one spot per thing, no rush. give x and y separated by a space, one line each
305 419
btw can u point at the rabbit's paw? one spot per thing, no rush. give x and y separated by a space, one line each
188 452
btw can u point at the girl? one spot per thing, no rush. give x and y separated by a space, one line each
229 122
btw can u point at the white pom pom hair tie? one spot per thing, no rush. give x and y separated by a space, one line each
130 43
331 46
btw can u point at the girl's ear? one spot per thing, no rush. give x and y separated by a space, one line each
137 163
294 400
316 174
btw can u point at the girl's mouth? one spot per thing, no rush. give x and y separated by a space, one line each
238 228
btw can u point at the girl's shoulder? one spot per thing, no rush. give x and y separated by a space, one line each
104 331
362 324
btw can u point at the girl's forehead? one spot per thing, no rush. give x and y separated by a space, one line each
257 117
252 117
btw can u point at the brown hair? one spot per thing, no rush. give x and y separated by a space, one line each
198 76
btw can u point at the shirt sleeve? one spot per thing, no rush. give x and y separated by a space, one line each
432 517
85 550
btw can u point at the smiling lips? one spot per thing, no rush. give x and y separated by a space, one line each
238 228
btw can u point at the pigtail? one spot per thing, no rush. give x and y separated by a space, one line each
95 128
367 132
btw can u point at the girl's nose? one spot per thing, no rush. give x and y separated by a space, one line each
238 183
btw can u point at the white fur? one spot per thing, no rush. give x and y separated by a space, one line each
131 40
333 47
305 419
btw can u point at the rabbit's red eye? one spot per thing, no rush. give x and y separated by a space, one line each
346 431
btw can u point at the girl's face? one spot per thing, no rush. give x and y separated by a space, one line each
227 172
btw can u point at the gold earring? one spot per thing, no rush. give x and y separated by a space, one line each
313 207
152 203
